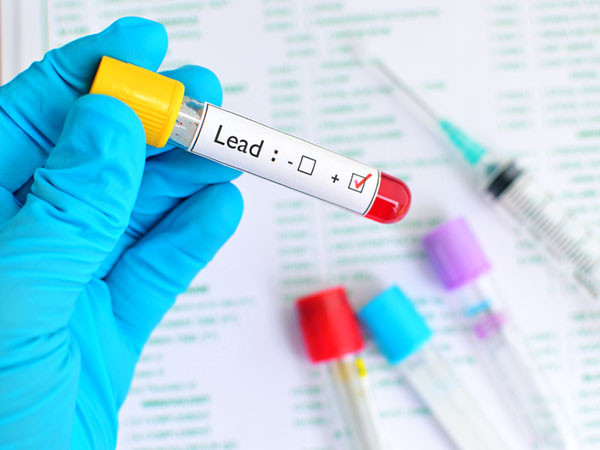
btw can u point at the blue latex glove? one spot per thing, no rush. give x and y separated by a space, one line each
98 233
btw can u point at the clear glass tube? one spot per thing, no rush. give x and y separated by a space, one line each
348 377
450 402
236 141
505 356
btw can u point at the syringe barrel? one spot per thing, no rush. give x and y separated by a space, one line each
236 141
572 245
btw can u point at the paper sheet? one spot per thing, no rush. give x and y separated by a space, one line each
226 369
23 36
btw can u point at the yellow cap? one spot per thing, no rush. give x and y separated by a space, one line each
155 98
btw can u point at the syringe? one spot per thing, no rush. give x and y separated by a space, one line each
236 141
464 269
333 339
404 338
573 246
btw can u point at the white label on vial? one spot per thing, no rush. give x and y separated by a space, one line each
243 144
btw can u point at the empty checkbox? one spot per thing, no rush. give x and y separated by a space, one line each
307 165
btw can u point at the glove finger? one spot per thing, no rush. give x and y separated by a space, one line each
8 205
34 105
168 179
172 175
165 261
79 205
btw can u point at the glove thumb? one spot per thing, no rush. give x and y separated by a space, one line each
79 205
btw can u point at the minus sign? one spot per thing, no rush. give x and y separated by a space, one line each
290 162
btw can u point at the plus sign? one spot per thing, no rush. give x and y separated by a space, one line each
335 178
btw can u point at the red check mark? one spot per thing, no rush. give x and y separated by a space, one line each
358 184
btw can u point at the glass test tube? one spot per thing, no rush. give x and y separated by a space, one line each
464 269
236 141
404 338
333 339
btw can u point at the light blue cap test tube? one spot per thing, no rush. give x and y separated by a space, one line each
396 326
402 336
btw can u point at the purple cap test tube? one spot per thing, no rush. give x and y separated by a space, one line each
463 268
455 254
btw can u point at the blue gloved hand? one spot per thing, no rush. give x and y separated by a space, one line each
98 234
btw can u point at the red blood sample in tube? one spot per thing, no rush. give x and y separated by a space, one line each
391 201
